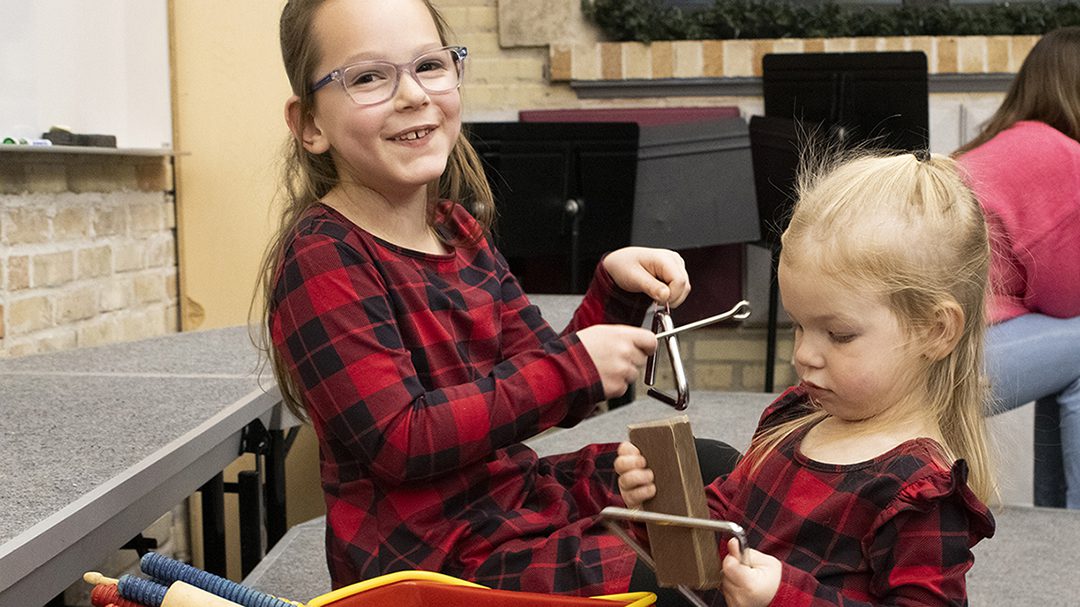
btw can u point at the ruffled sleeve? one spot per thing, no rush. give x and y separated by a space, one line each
920 547
929 492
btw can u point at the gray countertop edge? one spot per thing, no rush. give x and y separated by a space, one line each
133 499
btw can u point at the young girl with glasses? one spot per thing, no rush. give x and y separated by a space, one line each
865 484
398 330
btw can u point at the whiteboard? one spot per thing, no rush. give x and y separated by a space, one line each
94 66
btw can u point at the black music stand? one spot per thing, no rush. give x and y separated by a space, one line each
875 98
774 149
878 100
564 195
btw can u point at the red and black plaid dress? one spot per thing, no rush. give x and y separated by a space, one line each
422 374
895 530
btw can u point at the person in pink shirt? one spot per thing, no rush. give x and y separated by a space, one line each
1025 169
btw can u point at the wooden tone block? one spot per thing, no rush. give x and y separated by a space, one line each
683 556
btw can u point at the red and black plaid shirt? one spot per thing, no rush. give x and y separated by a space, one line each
422 374
895 530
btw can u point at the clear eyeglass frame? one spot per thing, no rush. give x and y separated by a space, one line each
438 78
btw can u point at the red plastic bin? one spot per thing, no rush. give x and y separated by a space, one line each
422 589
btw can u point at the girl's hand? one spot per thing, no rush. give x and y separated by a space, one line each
753 586
658 273
635 480
619 353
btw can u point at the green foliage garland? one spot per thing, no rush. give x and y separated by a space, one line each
650 20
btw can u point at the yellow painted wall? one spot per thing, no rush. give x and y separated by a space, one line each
229 89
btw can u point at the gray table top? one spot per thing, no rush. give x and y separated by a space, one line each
96 443
727 416
218 352
557 310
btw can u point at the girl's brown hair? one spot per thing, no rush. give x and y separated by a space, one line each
307 177
1047 89
910 230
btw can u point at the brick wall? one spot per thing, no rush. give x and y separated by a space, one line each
500 79
742 58
525 54
87 250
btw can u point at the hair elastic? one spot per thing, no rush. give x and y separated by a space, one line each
922 155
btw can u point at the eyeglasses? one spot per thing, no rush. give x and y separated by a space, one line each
373 82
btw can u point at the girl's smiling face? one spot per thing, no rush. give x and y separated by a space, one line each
397 147
851 353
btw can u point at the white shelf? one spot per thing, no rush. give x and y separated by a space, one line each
87 150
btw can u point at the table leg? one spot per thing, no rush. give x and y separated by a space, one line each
276 521
213 525
251 511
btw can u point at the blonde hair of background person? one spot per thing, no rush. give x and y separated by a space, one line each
853 488
1047 89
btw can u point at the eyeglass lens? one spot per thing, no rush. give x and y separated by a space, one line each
376 81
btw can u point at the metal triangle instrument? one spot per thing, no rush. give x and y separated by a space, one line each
665 330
